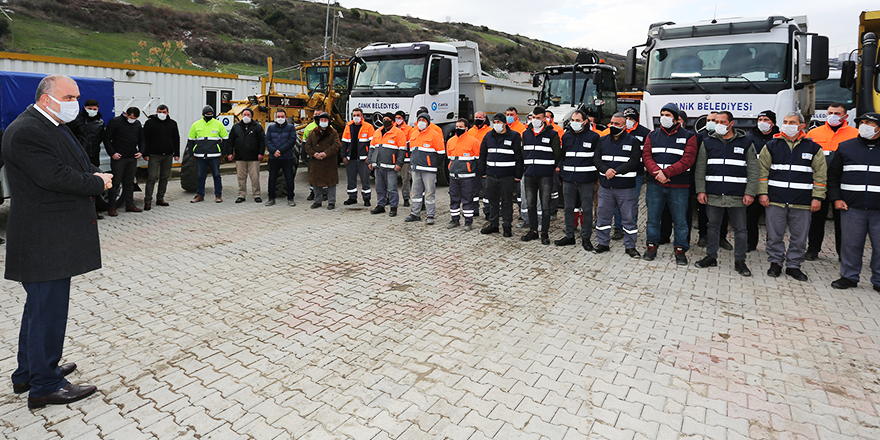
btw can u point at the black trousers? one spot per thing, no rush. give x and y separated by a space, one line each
499 191
817 228
41 338
753 215
123 174
286 166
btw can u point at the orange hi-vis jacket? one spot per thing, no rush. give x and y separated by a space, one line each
365 137
463 152
558 130
406 129
517 127
425 148
830 139
389 148
479 133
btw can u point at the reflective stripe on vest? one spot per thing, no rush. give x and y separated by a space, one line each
790 180
726 170
860 181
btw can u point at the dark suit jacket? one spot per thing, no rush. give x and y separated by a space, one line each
52 232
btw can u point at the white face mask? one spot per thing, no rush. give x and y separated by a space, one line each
68 109
576 126
790 130
323 124
246 119
666 121
537 123
499 127
764 126
399 121
867 131
91 113
162 116
721 129
833 120
630 124
710 126
422 125
356 119
280 121
132 121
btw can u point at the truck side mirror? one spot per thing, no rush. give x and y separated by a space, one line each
630 68
536 80
819 58
848 74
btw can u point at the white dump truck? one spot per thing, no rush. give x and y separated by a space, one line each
742 65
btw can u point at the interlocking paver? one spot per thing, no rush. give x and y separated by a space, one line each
242 321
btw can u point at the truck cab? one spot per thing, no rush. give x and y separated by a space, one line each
741 65
589 83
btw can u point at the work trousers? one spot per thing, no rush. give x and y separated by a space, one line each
321 191
286 166
753 216
405 181
41 337
658 197
572 192
355 169
617 221
798 223
499 191
123 174
715 229
817 227
248 169
554 194
424 182
214 164
461 198
386 186
609 199
858 224
535 185
158 169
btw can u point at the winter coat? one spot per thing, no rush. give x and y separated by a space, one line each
161 137
324 172
89 132
123 137
246 141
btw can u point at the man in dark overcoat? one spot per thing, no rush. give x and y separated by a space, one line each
52 234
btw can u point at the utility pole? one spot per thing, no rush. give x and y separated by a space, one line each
327 29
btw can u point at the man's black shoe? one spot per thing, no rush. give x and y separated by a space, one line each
393 212
877 288
311 196
587 246
545 239
68 394
405 203
617 234
680 258
650 252
741 268
99 216
565 241
378 210
531 235
239 200
316 205
775 270
724 244
453 224
843 283
66 369
489 230
702 242
811 255
705 262
633 253
331 206
412 218
507 232
349 202
601 249
796 274
256 200
366 203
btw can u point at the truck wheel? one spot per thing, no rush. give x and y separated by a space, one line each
281 185
189 174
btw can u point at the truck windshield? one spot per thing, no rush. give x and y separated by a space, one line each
398 73
829 92
737 62
558 88
317 76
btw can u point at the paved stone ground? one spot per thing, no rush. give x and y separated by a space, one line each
240 321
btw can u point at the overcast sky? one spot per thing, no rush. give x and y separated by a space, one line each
616 26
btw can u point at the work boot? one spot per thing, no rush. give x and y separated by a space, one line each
161 202
617 234
239 200
349 202
545 239
367 203
316 205
507 232
811 255
703 241
112 212
633 253
587 246
270 202
132 208
724 244
650 252
468 227
258 200
379 209
680 258
430 221
412 218
531 235
148 206
565 241
218 199
331 206
601 249
796 274
453 224
393 212
311 196
775 270
197 199
290 202
489 229
706 261
406 203
843 283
